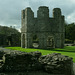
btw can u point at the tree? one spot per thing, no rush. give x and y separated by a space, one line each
70 31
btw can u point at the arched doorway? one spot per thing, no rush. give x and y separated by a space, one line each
9 41
23 40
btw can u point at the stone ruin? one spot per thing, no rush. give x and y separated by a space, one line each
34 63
43 31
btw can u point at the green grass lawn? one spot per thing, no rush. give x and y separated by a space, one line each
68 50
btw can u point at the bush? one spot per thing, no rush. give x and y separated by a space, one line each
68 41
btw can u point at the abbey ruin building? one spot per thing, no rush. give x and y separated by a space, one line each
44 31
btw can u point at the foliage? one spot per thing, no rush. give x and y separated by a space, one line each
9 35
68 41
70 31
8 30
68 50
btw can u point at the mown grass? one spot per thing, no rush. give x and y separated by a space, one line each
68 50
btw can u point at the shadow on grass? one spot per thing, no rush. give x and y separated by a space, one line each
64 50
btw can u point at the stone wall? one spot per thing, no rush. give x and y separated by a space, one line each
22 63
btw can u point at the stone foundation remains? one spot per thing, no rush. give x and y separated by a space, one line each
34 63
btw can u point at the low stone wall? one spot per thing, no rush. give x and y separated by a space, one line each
20 61
57 64
34 62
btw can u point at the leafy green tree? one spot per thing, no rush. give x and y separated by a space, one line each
70 31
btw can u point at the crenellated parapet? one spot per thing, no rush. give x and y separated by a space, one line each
56 13
43 12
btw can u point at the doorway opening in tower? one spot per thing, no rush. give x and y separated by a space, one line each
35 42
23 40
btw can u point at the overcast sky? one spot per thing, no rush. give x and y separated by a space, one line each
10 10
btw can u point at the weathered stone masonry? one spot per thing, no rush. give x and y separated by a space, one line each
34 63
47 32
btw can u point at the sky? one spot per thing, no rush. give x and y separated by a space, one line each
10 10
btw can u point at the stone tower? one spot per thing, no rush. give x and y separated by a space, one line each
43 31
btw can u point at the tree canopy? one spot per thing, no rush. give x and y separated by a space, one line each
70 31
